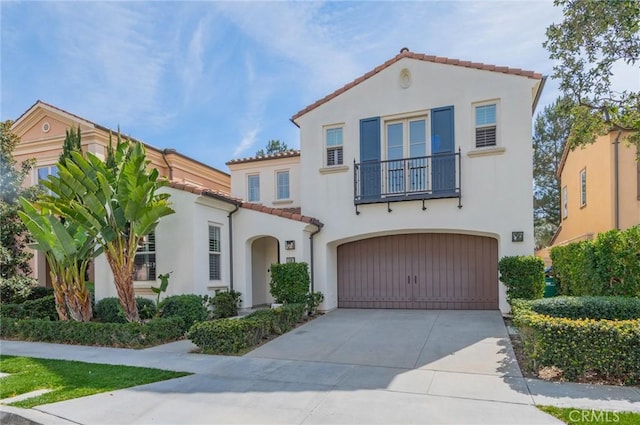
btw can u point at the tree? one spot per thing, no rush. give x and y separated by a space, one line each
273 146
551 131
72 143
116 202
593 36
14 257
68 248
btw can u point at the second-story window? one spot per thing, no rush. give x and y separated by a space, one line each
45 172
333 143
253 187
282 181
583 187
486 125
565 204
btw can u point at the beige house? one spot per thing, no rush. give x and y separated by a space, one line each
600 189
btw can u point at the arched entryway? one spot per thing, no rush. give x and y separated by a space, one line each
264 252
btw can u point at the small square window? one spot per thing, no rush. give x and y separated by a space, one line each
485 125
333 143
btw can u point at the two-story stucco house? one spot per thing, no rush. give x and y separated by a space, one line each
409 185
421 170
600 188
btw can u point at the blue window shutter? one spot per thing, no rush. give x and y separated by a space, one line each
443 150
370 178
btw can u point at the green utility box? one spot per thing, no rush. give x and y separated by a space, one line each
550 289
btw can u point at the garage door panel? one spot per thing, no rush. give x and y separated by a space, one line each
432 271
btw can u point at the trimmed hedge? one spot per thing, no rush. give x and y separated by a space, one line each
290 282
190 308
229 336
225 304
41 308
109 310
580 347
608 265
609 308
120 335
523 276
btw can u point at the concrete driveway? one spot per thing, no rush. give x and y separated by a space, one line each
348 366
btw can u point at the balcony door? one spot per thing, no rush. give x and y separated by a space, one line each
406 169
443 164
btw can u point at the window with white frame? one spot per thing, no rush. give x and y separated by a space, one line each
565 204
43 173
583 187
144 268
406 139
253 187
282 180
333 143
486 125
214 252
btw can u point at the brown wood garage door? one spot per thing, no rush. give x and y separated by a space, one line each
419 271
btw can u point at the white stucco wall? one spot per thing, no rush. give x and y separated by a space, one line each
267 170
181 248
496 188
250 226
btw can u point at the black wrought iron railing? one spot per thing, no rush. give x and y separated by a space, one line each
426 177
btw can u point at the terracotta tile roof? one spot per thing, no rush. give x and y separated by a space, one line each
290 213
419 56
287 154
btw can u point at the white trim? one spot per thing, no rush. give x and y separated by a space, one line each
334 169
490 150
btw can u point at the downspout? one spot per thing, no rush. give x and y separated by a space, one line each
319 225
231 246
616 180
164 153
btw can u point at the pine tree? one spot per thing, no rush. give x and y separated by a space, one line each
72 143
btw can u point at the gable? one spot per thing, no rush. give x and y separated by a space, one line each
446 65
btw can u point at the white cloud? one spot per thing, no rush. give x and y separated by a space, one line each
247 141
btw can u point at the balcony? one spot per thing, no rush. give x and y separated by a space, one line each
419 178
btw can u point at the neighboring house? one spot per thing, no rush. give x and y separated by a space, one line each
600 189
421 170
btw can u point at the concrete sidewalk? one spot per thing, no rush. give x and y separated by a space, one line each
282 382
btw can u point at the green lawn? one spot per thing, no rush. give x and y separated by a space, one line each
70 379
573 416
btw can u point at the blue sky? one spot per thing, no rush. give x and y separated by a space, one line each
217 80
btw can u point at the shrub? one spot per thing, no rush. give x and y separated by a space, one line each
225 304
314 299
38 292
16 289
582 347
129 335
228 336
523 277
606 266
569 266
610 308
109 309
42 308
289 282
190 308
